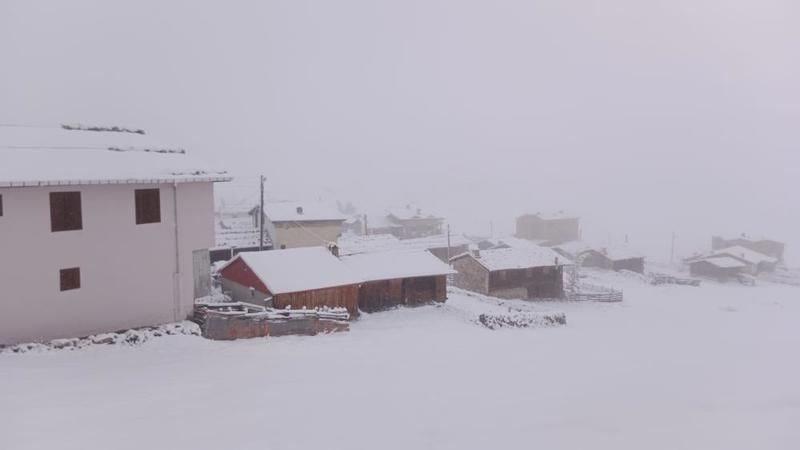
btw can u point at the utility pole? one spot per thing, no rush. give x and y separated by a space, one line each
261 215
672 250
448 244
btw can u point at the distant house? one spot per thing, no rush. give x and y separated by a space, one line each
511 272
550 229
302 224
405 223
768 247
100 231
440 245
351 244
722 268
301 277
755 262
237 232
395 278
571 249
613 258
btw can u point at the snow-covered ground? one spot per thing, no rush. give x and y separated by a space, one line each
672 367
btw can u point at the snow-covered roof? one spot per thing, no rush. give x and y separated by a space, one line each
724 262
410 212
297 269
617 252
41 156
437 241
303 212
516 258
744 254
573 247
555 215
350 244
390 265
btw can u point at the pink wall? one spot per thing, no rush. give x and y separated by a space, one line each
127 270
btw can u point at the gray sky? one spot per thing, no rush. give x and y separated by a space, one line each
643 116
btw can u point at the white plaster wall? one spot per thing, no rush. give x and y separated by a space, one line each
310 234
128 271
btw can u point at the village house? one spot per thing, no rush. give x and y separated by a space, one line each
613 258
236 232
548 229
768 247
524 273
405 223
721 268
301 224
307 277
100 231
755 262
393 278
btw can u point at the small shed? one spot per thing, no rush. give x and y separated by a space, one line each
720 268
307 277
396 278
515 272
613 258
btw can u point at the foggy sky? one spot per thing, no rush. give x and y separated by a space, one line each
645 117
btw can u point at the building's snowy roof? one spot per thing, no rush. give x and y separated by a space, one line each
303 212
573 248
40 156
238 231
410 212
380 221
555 215
350 244
437 241
749 238
744 254
516 258
724 262
297 269
390 265
617 252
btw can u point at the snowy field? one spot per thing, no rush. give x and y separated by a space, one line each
715 367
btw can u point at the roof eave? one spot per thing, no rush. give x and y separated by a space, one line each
181 180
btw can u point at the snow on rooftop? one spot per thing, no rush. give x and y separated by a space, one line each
518 258
619 252
436 241
298 269
34 156
573 247
302 212
410 212
555 215
745 254
390 265
350 244
724 262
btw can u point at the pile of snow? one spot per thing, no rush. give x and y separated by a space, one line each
130 337
494 313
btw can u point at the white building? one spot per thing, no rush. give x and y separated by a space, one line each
99 231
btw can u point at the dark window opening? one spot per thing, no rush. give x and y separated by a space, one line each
148 206
65 211
1 206
70 278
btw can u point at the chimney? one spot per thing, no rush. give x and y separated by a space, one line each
476 253
300 210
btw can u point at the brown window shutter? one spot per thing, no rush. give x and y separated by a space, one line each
148 206
70 278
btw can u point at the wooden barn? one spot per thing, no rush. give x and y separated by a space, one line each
302 277
516 272
394 278
721 268
613 258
